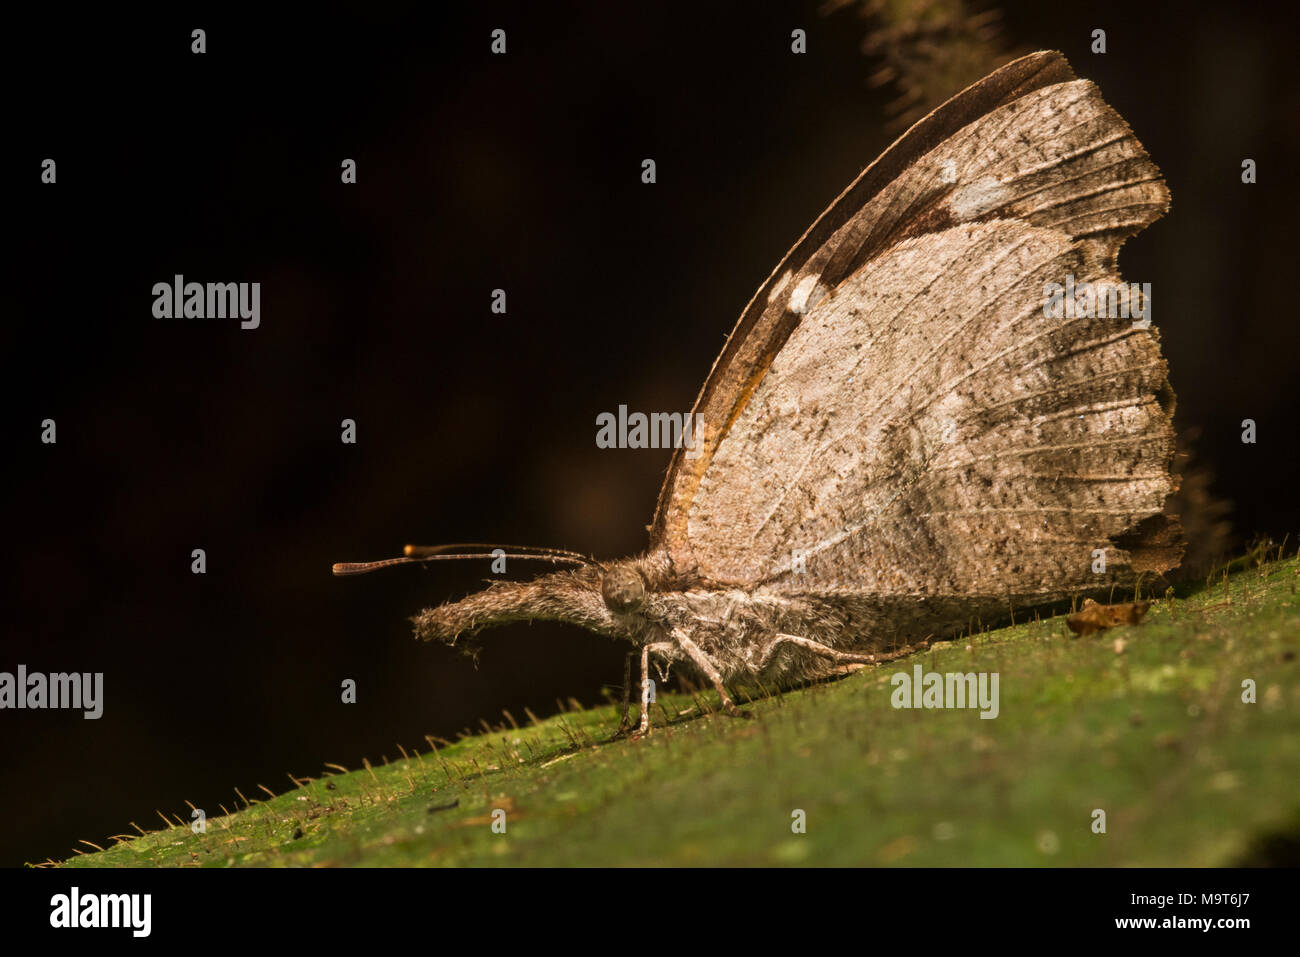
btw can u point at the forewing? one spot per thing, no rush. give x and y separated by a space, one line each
771 314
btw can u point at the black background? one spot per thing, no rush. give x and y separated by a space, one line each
339 906
475 172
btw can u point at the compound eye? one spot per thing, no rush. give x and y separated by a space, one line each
623 590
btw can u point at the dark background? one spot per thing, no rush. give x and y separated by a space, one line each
475 172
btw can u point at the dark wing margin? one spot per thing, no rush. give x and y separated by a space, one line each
765 325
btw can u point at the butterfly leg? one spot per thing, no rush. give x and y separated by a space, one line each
826 651
645 691
660 648
710 670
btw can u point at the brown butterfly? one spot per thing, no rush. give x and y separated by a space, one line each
897 438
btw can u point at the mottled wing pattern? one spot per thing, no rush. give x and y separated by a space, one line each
922 427
926 430
767 321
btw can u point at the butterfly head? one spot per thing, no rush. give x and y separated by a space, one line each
621 599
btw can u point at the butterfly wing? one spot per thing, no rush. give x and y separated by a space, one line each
765 323
894 413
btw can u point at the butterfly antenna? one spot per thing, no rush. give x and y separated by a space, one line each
418 554
413 551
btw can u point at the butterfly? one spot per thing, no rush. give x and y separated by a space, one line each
899 435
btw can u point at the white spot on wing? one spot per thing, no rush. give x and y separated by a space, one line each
780 285
807 293
978 198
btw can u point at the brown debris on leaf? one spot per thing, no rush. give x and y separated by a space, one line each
1097 617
